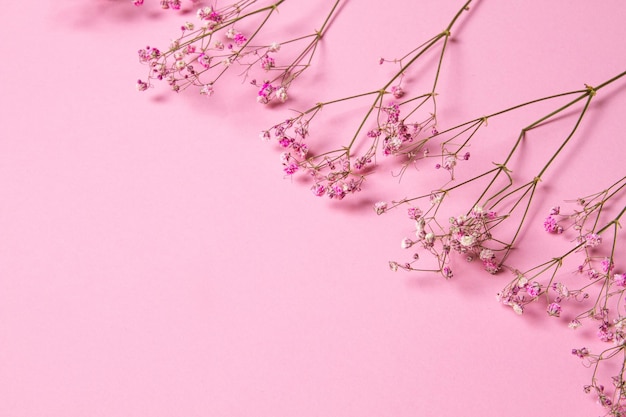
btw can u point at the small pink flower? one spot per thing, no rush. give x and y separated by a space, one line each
397 91
406 243
491 266
534 289
380 207
137 2
414 213
204 60
554 309
604 333
337 191
267 63
620 280
265 92
607 265
291 168
550 224
141 85
207 90
239 39
318 190
592 240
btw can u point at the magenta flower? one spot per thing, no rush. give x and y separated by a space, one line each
554 309
550 224
620 280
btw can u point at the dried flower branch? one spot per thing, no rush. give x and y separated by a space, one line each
472 232
340 172
597 285
204 52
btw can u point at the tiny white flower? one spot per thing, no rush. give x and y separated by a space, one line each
406 243
380 207
281 93
285 157
467 240
574 324
274 47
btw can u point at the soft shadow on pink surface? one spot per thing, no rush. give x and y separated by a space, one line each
155 261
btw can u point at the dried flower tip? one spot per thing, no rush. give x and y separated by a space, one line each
619 280
141 85
554 309
265 136
318 190
267 63
207 90
574 324
486 254
607 265
397 91
406 243
518 309
550 225
414 213
291 168
281 94
274 47
592 240
393 265
380 207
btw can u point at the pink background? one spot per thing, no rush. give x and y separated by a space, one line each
154 261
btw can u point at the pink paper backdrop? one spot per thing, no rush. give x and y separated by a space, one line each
154 261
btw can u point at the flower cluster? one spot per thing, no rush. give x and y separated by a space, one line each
395 129
332 175
208 47
468 235
597 285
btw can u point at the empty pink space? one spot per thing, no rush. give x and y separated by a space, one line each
155 260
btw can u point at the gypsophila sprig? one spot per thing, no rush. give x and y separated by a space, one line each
596 284
388 126
471 233
212 45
